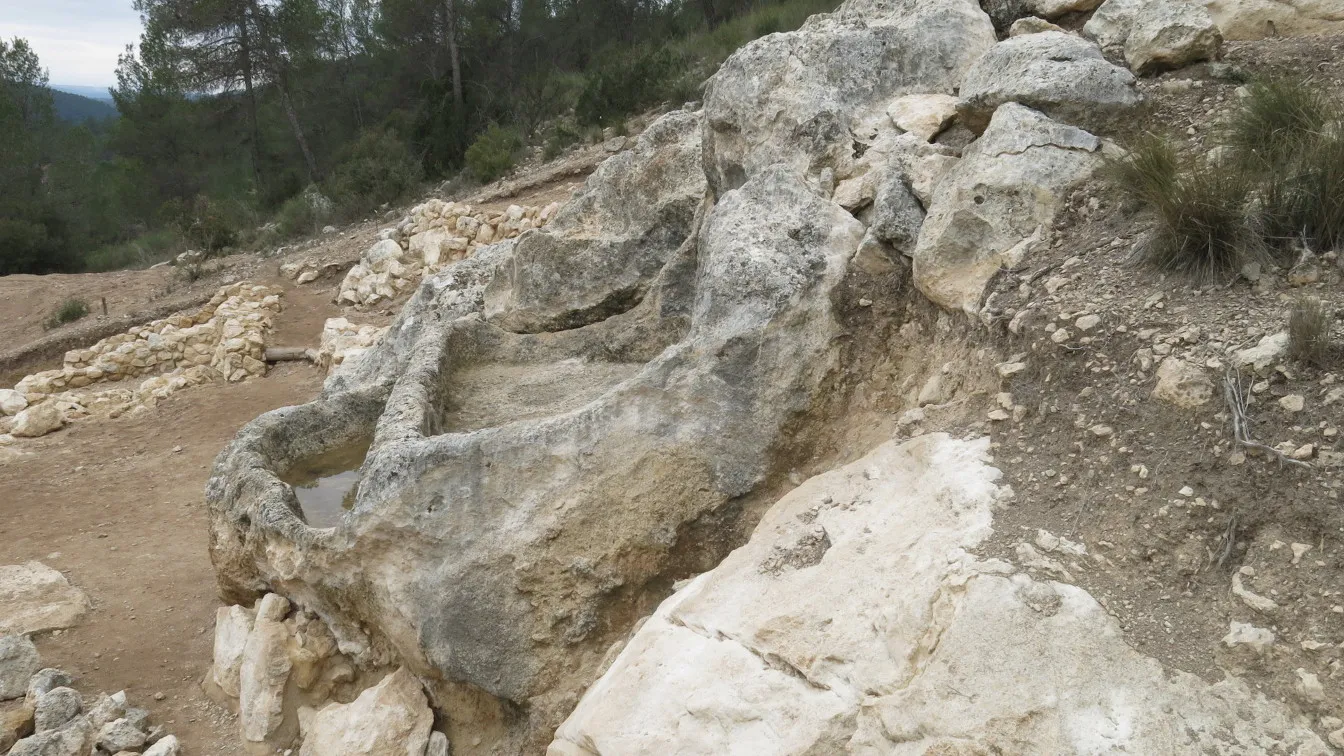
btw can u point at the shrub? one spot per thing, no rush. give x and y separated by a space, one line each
141 252
70 310
1202 226
1304 198
303 214
1276 120
377 168
492 154
562 136
623 83
1309 330
203 222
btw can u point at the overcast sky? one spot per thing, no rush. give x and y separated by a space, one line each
77 40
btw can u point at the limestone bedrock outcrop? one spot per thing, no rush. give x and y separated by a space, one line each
998 201
1155 35
499 538
1064 76
797 97
1257 19
856 621
390 719
562 424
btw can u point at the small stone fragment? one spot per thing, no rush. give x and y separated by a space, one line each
1292 403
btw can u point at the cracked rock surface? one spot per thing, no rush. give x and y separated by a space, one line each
884 646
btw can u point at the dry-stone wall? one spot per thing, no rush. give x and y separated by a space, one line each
224 340
435 234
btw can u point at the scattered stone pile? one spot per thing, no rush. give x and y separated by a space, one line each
280 668
42 715
343 340
224 340
434 234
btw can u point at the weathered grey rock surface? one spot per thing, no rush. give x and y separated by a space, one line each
997 202
548 517
1061 75
798 97
856 621
1156 35
18 662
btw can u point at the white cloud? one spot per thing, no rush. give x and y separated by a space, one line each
78 41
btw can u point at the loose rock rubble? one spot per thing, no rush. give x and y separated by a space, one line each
343 340
224 340
45 716
436 234
271 662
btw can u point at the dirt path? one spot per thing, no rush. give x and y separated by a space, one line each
110 504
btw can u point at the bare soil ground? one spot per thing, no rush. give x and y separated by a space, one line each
113 506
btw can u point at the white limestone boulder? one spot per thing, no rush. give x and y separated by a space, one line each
38 420
795 97
1258 19
12 402
1156 35
34 598
856 621
390 719
233 624
263 671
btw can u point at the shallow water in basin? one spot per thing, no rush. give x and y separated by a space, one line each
326 485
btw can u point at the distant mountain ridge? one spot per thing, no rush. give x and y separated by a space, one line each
93 93
77 108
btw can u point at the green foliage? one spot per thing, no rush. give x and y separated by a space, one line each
377 168
1202 228
1276 120
303 214
493 152
202 222
625 82
70 310
1303 196
1309 331
561 136
148 249
1280 186
361 97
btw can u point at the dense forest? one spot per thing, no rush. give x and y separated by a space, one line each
244 122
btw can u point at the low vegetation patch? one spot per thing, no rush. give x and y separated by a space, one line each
1309 331
70 310
1272 182
493 153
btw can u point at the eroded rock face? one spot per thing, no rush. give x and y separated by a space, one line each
997 202
496 540
871 644
1156 35
1059 74
797 97
1257 19
604 248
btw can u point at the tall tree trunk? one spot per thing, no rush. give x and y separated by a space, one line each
245 52
450 24
293 117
